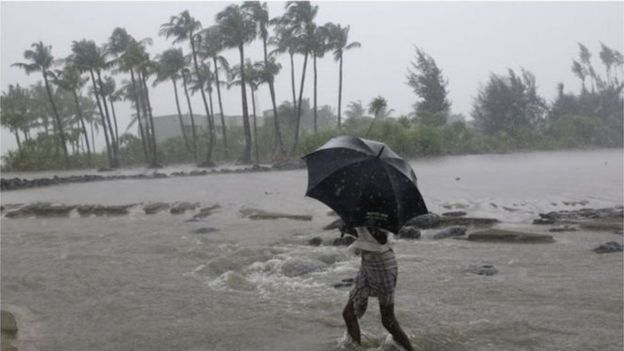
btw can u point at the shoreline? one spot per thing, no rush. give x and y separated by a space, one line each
16 183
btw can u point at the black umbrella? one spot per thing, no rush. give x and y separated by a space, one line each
365 182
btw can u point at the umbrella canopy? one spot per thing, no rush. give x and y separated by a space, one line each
365 182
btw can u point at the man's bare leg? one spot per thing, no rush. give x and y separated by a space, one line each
350 318
392 325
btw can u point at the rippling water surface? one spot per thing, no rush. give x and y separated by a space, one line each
142 282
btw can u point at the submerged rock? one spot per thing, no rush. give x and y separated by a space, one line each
181 207
484 269
8 323
510 236
454 214
47 210
409 232
344 241
100 210
206 211
316 241
466 221
609 247
543 221
565 228
257 214
24 211
425 221
450 232
205 230
155 207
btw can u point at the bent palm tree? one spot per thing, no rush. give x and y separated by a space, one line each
40 61
260 14
378 107
169 67
210 47
239 29
339 42
184 27
70 80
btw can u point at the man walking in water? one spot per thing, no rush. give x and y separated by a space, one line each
377 278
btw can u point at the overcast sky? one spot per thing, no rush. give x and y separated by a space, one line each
468 40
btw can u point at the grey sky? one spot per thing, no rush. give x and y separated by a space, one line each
468 40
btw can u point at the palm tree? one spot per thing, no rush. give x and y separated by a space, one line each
184 27
204 83
109 90
88 57
15 105
299 17
70 80
320 45
285 41
186 77
130 93
260 14
170 65
339 42
239 29
41 60
378 107
210 47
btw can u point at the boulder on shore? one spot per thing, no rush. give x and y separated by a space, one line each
181 207
7 320
100 210
409 232
155 207
206 211
484 269
425 221
207 230
48 210
450 232
316 241
499 235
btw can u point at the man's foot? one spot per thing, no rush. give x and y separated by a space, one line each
390 345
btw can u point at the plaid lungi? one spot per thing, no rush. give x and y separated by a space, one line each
377 278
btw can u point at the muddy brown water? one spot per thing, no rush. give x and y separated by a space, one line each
141 282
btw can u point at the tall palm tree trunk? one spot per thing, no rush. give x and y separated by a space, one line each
247 151
114 121
99 104
57 118
298 121
223 127
84 127
208 161
211 110
110 126
190 107
151 118
177 100
315 79
340 94
145 116
293 86
137 105
278 133
17 138
255 126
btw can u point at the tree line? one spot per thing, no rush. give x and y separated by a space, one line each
201 69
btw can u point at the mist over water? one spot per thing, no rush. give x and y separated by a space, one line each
142 282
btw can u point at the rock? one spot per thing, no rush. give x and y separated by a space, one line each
565 228
450 232
156 175
205 230
294 267
261 215
336 224
409 232
609 247
543 221
155 207
100 210
484 269
181 207
574 203
465 221
456 205
344 241
48 210
510 209
24 211
601 225
349 280
8 323
342 285
316 241
206 211
105 169
454 214
425 221
510 236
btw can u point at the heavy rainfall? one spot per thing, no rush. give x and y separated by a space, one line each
257 176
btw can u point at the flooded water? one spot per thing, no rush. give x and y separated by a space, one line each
147 282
